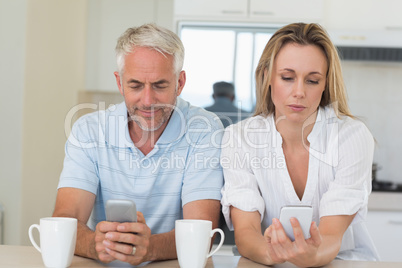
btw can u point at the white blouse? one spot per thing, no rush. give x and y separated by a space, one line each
338 182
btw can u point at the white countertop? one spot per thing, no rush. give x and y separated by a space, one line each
20 256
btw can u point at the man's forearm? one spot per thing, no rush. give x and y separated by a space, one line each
85 245
162 246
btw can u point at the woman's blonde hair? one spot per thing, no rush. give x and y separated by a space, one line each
302 34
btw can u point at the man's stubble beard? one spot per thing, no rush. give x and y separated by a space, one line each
142 123
167 110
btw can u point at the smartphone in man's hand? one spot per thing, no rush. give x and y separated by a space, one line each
121 210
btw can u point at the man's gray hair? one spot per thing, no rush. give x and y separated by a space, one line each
154 37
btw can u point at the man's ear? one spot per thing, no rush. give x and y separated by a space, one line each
181 82
118 82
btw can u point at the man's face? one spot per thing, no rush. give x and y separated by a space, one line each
149 87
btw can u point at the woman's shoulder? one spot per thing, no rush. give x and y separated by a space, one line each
254 131
344 124
254 122
256 126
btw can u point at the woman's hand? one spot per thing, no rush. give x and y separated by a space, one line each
301 252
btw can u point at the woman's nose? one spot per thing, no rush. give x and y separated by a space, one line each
299 90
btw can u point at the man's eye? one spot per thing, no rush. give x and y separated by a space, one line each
160 86
136 88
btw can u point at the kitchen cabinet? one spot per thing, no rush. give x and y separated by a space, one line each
221 9
286 10
271 11
385 228
391 14
107 20
363 15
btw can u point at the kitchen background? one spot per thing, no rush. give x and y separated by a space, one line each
55 54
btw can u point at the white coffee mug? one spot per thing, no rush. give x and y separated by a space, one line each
57 240
193 241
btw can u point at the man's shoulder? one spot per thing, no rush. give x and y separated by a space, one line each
197 117
95 116
98 120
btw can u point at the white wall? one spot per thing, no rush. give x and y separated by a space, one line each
375 95
54 73
42 53
12 54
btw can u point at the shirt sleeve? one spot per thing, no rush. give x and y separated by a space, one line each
349 191
240 188
80 167
203 178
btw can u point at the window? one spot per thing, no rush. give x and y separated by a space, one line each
222 53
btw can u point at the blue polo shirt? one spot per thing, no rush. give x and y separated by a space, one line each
183 166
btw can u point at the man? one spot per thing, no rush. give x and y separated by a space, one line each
223 104
154 149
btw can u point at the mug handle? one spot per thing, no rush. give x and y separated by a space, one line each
31 237
220 243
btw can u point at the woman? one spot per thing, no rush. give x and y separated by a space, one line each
302 147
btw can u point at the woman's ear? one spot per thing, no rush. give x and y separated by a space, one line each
265 73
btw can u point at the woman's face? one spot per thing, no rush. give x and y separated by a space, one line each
298 81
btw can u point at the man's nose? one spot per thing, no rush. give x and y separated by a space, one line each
148 96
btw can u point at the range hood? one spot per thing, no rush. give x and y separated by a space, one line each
369 45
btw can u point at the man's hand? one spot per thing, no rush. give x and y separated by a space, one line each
101 230
115 241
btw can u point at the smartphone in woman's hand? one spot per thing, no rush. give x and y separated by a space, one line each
304 214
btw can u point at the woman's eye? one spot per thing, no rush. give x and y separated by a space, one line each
286 78
312 81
